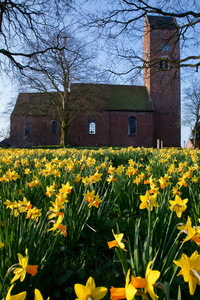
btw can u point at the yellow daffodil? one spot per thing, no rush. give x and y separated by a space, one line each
151 277
1 245
120 170
59 226
50 190
154 190
163 182
117 242
33 213
111 178
186 226
89 291
24 205
20 296
95 202
111 169
86 180
194 179
137 180
96 177
128 292
66 189
38 295
178 205
190 269
148 201
148 282
182 182
89 196
193 233
20 272
175 191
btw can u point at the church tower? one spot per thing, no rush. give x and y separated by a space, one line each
161 54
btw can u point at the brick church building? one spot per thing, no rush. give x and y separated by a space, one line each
125 115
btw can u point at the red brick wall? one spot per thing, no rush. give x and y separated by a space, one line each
40 132
163 86
112 130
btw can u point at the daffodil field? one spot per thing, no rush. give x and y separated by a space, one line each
89 224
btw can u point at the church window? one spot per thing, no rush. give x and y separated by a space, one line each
164 47
27 128
132 126
164 63
91 126
54 127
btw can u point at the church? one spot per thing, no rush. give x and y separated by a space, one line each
123 115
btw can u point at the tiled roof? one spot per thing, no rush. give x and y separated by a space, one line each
117 97
97 96
34 104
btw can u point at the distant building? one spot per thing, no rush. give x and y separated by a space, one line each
127 115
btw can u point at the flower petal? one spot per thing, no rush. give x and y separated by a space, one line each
80 290
99 293
20 296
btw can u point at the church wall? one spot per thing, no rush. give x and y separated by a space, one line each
40 132
112 130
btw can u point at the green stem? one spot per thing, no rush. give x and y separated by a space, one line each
149 243
8 272
165 240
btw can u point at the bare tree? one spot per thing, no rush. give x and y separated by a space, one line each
191 109
25 20
124 20
53 73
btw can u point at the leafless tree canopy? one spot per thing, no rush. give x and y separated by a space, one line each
55 71
22 21
191 107
122 18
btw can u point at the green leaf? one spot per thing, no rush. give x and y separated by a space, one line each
64 277
179 293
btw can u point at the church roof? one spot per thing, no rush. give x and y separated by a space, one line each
33 104
117 97
162 22
107 96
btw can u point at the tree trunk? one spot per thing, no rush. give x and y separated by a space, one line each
195 135
64 141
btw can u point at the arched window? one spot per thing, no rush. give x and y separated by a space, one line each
91 126
54 127
132 126
27 128
164 63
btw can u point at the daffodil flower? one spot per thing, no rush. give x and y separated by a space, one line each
178 205
190 269
38 295
148 282
20 272
20 296
148 201
90 291
57 225
1 245
128 292
117 242
193 233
